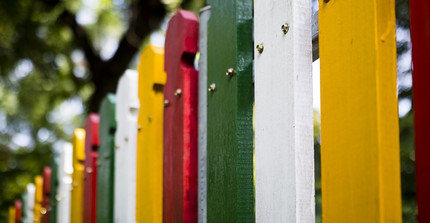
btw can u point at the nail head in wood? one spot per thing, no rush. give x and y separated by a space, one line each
230 72
178 92
260 48
211 87
285 27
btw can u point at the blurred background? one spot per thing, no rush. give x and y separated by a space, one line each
58 58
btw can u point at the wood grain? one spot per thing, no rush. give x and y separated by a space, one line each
180 120
360 160
284 159
150 136
230 182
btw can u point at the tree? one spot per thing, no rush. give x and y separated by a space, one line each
55 66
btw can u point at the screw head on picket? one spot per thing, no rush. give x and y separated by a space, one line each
178 92
89 170
230 72
149 118
211 87
43 210
166 103
285 27
139 127
260 48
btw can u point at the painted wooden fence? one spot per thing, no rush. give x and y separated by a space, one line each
106 161
180 148
180 120
420 34
76 213
152 78
90 174
126 111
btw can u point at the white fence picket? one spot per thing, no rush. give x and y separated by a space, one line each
65 172
127 108
284 161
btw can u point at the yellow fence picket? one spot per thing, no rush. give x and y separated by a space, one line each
359 123
152 78
76 213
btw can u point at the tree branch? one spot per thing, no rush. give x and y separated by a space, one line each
82 40
146 17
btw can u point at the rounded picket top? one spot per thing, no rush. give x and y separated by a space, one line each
78 145
126 112
181 40
127 100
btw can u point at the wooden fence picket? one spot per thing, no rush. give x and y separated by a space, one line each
106 161
65 172
76 213
53 202
126 110
38 198
202 125
90 174
47 172
284 142
420 36
152 79
180 120
360 160
18 211
230 184
29 202
12 214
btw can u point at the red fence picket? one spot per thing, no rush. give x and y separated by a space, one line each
46 193
90 172
180 120
420 34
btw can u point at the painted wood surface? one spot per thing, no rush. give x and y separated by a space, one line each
47 172
152 79
65 172
24 198
18 211
360 160
76 213
53 202
420 34
180 120
38 198
106 161
90 174
230 182
29 202
284 141
12 214
127 106
202 123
